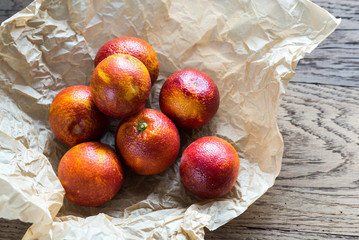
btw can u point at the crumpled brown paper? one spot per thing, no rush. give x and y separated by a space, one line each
249 47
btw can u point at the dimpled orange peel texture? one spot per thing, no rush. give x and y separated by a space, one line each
74 117
148 142
90 173
190 98
135 47
120 85
209 167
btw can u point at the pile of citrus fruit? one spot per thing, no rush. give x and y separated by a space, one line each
147 141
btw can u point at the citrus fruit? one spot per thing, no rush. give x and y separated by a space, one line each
120 85
190 98
148 142
209 167
135 47
74 117
90 173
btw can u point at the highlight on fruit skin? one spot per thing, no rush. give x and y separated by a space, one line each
90 173
135 47
74 117
120 85
148 142
190 98
209 167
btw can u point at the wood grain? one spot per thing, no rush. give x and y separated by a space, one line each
336 60
10 7
12 229
316 195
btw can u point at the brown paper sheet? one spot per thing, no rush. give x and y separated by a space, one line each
250 48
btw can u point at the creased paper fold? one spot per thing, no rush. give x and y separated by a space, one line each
250 48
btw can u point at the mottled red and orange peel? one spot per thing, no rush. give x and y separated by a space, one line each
120 85
74 117
190 98
152 150
135 47
209 167
90 173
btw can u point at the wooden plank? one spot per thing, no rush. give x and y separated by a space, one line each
336 60
316 195
12 229
10 7
260 233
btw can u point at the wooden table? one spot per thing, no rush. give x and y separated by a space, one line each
316 195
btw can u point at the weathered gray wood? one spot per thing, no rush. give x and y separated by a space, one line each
336 60
316 195
12 230
10 7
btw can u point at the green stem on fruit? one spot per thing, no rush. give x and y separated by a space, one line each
142 126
